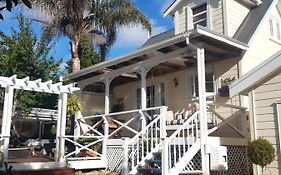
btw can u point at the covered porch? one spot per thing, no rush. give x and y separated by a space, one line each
166 57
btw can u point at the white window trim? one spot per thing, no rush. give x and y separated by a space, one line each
157 90
192 73
278 110
274 37
207 11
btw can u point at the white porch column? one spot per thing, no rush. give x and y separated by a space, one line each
203 109
143 73
58 128
7 119
106 97
62 127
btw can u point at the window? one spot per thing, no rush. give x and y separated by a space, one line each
200 15
275 29
162 94
209 85
150 97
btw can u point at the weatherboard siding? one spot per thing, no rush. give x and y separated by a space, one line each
235 14
216 16
266 122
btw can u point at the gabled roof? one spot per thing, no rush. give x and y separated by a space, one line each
176 3
257 76
253 20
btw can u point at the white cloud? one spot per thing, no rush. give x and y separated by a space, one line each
136 36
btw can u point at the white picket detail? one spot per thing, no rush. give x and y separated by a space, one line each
182 145
143 145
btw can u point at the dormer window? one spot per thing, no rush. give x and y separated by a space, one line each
275 29
200 15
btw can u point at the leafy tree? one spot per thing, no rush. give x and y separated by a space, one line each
25 54
9 4
98 18
261 152
87 53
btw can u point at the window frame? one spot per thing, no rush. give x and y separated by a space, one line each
274 29
191 85
200 13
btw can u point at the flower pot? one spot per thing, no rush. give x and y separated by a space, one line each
224 91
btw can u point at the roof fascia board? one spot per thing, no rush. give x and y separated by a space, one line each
262 21
132 68
126 57
222 39
256 76
171 8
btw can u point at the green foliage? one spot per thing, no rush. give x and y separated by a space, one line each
102 18
87 53
73 104
26 54
9 4
261 152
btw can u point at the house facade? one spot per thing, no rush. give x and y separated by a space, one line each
264 101
223 38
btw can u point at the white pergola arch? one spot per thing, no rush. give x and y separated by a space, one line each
12 83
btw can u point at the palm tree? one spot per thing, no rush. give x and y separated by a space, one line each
96 17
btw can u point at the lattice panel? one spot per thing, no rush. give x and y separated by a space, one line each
237 162
194 164
114 158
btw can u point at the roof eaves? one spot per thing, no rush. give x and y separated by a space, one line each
221 37
126 57
171 8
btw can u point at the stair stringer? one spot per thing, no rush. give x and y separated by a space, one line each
188 156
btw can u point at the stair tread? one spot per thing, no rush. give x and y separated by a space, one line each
153 161
149 170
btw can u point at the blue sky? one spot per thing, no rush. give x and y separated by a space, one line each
129 38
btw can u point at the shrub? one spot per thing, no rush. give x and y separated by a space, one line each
261 152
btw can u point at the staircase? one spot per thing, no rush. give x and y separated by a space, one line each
152 152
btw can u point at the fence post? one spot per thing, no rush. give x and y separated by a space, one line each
163 134
125 163
105 139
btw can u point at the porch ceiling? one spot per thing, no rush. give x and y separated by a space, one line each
175 51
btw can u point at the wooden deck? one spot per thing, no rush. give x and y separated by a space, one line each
57 171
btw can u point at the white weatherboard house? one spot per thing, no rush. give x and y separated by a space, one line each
165 108
265 102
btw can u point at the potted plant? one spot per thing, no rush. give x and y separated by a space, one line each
261 152
224 89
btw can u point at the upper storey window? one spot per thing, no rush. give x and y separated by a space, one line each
200 15
275 29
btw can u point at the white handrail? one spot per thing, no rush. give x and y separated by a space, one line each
142 145
179 144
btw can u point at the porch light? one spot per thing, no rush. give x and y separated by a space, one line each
176 83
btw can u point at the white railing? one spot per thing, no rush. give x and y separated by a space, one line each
104 127
181 146
144 144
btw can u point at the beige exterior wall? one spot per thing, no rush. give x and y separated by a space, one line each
178 98
92 103
235 15
261 47
266 118
214 11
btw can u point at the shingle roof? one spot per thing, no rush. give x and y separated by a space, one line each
160 37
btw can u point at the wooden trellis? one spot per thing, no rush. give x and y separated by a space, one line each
12 83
